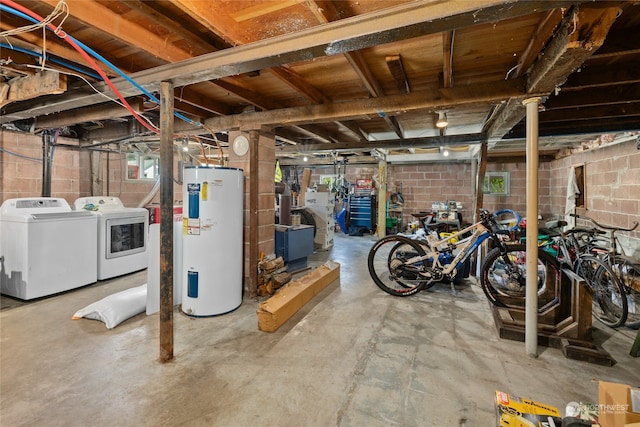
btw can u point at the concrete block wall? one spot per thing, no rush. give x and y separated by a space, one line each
612 187
21 173
424 184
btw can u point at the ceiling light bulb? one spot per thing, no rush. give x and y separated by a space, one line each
445 151
185 148
305 158
442 120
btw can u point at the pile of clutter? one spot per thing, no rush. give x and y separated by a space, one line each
618 406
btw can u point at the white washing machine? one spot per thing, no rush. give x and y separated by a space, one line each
45 247
122 235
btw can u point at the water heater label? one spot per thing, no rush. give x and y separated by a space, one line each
193 226
193 190
192 284
204 191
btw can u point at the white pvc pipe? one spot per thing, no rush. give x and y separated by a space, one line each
531 306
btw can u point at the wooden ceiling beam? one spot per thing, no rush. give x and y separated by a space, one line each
267 104
601 76
581 32
352 128
299 84
326 12
581 112
98 16
396 68
33 41
88 114
391 144
190 96
620 44
355 58
447 56
396 23
197 46
581 127
205 13
394 105
609 95
540 38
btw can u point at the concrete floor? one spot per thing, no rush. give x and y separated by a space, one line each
353 356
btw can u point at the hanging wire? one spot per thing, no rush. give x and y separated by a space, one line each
25 13
84 50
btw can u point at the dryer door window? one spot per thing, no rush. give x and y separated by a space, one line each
125 236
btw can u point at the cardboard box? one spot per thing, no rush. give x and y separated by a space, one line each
275 311
521 412
320 200
619 405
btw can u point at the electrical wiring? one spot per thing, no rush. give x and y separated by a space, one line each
84 50
61 9
34 159
50 59
124 76
25 13
97 91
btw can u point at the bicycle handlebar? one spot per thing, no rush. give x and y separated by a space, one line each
606 227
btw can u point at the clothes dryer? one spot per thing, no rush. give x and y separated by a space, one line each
122 235
45 247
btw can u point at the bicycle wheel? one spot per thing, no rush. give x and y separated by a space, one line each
628 272
390 270
503 277
608 298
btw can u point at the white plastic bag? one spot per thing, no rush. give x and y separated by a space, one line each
116 308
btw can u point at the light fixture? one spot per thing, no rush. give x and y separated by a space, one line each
442 120
305 158
444 151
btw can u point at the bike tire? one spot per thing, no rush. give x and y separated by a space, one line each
608 299
388 269
503 277
628 273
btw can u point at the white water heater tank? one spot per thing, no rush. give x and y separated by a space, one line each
212 240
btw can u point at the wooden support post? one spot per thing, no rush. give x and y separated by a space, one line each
166 221
254 209
481 171
382 199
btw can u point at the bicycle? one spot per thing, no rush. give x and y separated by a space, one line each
625 268
403 266
573 249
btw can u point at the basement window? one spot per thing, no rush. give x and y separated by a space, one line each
580 181
143 167
496 183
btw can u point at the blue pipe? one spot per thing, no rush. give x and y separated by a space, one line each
51 59
102 59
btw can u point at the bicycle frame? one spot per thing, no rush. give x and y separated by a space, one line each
467 246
